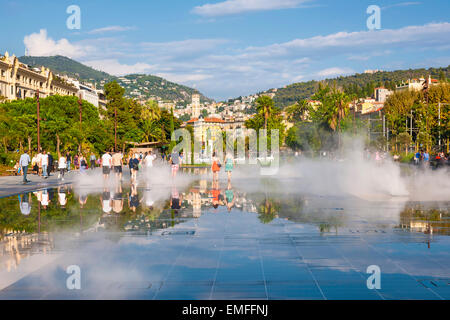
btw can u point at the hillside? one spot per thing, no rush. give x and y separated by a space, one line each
157 88
360 84
67 66
137 86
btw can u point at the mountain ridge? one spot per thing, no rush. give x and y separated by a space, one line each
148 86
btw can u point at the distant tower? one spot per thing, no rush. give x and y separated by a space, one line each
195 105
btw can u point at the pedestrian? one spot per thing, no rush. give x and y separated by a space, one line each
106 165
134 167
117 162
44 164
148 160
215 167
68 161
229 165
50 164
76 162
34 164
24 162
62 166
175 161
426 159
39 162
83 164
93 158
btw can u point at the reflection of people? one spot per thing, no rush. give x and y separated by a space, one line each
82 199
216 196
149 201
45 201
62 196
25 203
106 201
117 200
176 199
133 198
229 196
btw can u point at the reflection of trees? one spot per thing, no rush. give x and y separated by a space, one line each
418 217
268 210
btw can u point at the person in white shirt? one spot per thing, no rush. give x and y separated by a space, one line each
106 165
44 164
45 199
62 197
149 158
62 165
39 163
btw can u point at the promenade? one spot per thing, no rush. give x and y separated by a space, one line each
13 185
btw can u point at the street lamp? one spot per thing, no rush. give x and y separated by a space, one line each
80 103
38 122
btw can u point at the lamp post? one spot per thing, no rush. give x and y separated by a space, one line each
38 122
80 103
115 129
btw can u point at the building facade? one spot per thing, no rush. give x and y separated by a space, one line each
18 81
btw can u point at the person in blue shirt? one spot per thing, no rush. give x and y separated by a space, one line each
23 163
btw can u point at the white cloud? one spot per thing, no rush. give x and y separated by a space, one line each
111 29
335 71
220 68
115 68
402 4
231 7
39 44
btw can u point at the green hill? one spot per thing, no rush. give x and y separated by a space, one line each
360 84
137 86
67 66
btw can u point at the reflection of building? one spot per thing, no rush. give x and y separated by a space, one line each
18 81
429 221
15 247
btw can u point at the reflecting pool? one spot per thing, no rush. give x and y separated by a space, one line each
204 240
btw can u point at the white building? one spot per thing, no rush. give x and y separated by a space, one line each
381 94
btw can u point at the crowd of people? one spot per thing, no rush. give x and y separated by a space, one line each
43 164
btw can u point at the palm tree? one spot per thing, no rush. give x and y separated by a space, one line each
151 111
265 105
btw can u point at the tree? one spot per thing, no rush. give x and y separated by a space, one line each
151 111
405 140
298 111
264 106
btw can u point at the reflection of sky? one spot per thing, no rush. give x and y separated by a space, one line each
314 247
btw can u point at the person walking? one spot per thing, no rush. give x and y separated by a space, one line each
117 162
93 158
24 162
175 160
215 167
50 164
134 167
83 164
106 165
229 165
62 166
44 164
76 162
68 161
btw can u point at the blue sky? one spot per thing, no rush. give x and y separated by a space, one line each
227 48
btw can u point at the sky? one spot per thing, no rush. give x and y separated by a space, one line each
229 48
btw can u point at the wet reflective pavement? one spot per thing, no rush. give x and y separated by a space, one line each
169 242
